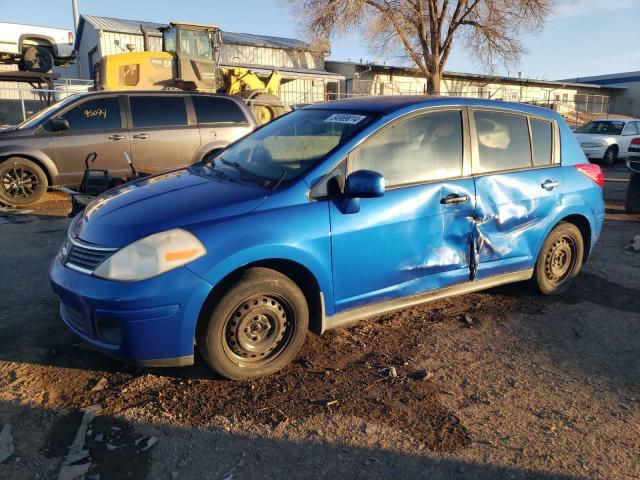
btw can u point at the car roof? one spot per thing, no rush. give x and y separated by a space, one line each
385 104
623 120
156 92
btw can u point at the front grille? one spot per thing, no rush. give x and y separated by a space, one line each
85 257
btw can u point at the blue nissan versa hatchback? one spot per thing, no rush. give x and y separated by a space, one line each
330 214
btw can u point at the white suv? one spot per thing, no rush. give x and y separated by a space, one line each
607 139
34 48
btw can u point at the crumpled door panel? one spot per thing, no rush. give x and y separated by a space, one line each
513 212
403 243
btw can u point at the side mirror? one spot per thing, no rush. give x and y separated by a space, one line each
360 184
364 184
59 124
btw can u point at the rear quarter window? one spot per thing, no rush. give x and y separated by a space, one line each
503 141
542 140
217 110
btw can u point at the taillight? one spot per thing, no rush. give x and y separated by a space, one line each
594 172
70 38
635 141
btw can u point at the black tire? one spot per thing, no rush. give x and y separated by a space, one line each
559 260
22 182
257 325
632 199
266 106
37 59
611 155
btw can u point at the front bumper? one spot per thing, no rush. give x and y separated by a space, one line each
597 152
151 322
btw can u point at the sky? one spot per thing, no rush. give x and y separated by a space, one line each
581 38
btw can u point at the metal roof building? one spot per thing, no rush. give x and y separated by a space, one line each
302 68
629 81
576 100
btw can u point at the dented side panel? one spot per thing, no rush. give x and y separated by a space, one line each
513 212
404 243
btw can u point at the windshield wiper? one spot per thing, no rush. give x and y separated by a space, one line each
280 180
216 172
242 170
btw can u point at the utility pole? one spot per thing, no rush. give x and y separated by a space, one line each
76 18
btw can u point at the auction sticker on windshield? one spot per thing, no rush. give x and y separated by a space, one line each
345 118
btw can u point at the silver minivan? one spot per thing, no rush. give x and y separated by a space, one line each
159 131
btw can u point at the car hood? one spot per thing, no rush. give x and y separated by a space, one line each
594 137
14 133
175 199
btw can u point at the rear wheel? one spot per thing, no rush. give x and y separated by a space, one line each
610 156
22 182
256 327
264 106
559 260
37 59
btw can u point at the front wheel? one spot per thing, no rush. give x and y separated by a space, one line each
559 260
22 182
257 326
264 106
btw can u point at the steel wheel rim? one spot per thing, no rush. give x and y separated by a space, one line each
265 114
609 156
560 260
19 182
258 330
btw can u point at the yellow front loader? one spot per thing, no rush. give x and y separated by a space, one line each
190 61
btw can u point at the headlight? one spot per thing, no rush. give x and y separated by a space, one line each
151 256
592 145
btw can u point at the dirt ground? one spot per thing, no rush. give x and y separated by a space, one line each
503 384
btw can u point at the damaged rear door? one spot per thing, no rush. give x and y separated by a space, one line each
415 238
518 186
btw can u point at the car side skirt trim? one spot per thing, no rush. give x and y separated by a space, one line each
360 313
184 361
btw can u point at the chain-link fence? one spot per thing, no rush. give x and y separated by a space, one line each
17 102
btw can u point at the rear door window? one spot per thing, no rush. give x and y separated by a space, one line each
93 115
421 148
210 109
542 139
503 141
158 111
630 129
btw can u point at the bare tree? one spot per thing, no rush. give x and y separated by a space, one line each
426 30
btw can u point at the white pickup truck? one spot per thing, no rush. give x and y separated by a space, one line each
35 48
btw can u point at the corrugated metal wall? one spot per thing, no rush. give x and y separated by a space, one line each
112 43
270 57
303 90
13 95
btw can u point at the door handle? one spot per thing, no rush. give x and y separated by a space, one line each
454 198
117 137
550 185
141 136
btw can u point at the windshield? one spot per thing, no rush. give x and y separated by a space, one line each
44 114
196 44
284 149
602 128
